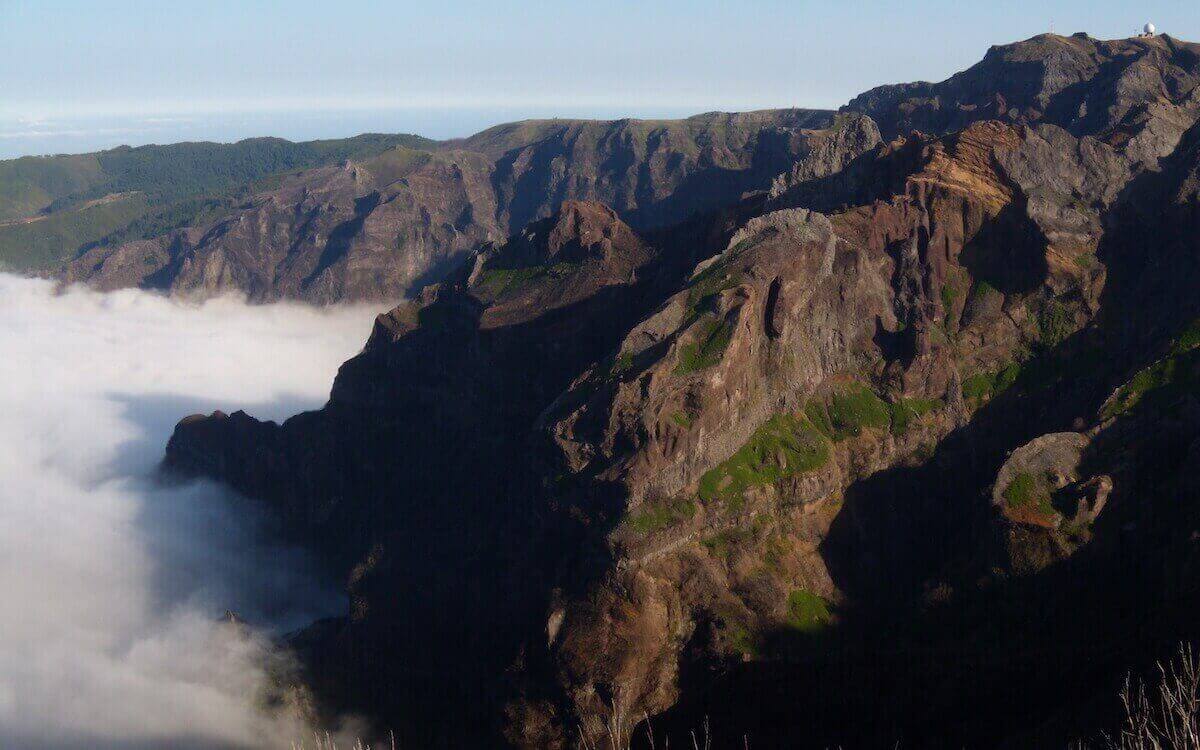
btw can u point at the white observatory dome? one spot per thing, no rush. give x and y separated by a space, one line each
1149 28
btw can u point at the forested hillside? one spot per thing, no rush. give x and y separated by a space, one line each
53 207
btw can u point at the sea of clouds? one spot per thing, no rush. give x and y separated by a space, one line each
112 582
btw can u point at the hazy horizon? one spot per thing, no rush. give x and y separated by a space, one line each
84 135
177 73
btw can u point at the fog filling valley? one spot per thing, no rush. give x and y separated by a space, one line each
114 582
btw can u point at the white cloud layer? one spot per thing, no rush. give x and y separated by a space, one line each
112 582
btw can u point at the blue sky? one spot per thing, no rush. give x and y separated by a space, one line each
231 67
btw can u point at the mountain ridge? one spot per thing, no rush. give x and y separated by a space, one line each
653 173
910 433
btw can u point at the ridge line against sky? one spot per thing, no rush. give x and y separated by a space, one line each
78 76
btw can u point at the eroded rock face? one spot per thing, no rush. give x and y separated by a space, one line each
602 471
1087 86
1033 474
813 353
385 227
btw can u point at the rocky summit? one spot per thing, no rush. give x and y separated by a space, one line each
819 430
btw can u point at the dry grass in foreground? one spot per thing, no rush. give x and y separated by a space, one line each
1164 716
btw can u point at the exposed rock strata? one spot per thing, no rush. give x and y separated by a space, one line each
749 463
387 226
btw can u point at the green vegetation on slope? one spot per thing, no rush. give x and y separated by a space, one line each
620 364
742 641
182 169
850 409
983 386
722 544
705 288
31 183
906 411
949 296
39 244
498 281
807 612
1055 324
176 185
853 407
1025 491
660 515
1164 381
981 289
783 446
706 350
682 418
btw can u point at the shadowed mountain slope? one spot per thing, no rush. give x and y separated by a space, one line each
901 449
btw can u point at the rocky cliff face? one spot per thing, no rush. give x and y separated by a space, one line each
895 438
1086 86
382 227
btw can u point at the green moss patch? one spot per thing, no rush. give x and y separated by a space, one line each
1165 381
783 446
773 554
949 297
682 418
981 290
1055 324
1027 492
852 408
498 281
721 545
661 515
984 386
707 349
621 364
707 286
742 641
1085 260
1188 340
1170 377
807 612
906 411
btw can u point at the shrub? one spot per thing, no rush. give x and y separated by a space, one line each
1167 716
1055 324
807 612
1189 339
980 290
987 385
905 411
742 641
1025 491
